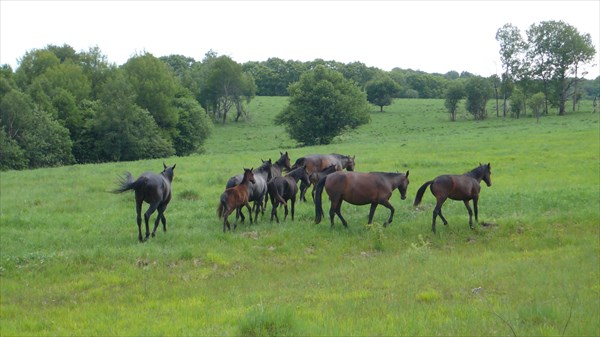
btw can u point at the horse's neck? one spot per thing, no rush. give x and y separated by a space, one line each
295 174
476 174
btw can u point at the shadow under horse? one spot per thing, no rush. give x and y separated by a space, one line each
358 188
463 187
154 189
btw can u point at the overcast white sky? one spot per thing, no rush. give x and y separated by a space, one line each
432 36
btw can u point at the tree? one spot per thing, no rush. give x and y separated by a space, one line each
454 93
193 127
512 48
557 51
322 105
478 91
536 103
225 86
381 90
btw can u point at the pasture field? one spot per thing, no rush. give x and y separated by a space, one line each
71 264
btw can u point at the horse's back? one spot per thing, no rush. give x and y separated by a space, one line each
456 187
357 188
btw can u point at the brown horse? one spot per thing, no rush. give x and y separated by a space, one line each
235 198
456 187
318 162
282 189
283 163
154 189
359 189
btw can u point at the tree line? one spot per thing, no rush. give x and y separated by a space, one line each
62 107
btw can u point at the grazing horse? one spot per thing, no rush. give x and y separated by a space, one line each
456 187
258 190
359 189
235 198
154 189
282 189
318 162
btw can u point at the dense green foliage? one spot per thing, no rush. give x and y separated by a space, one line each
381 90
322 105
70 263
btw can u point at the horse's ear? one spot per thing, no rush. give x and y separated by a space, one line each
164 165
173 167
408 171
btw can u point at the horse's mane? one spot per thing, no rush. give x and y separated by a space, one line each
477 172
389 174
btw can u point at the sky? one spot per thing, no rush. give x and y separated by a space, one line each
431 36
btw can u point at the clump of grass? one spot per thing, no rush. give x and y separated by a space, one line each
428 296
261 322
188 195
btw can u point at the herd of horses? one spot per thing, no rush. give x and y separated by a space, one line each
254 188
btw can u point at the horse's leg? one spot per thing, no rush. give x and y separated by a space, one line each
286 211
470 213
338 211
303 188
475 201
249 211
372 212
389 206
147 215
293 199
438 211
138 209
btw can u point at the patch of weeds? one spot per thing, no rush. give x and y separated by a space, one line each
377 235
262 322
428 296
420 250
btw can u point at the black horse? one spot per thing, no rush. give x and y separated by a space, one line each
282 189
463 187
283 163
258 189
154 189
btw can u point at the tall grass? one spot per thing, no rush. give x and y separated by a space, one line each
70 263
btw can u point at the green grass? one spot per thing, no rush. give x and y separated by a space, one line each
70 263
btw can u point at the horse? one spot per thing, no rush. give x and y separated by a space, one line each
319 162
359 188
234 198
258 190
154 189
282 189
463 187
316 176
283 163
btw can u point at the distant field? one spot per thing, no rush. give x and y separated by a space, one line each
71 265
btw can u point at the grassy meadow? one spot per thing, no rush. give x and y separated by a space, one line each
71 264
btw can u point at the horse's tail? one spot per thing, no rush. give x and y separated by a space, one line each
420 193
318 204
126 183
222 206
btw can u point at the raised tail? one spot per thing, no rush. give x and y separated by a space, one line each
420 193
126 183
318 204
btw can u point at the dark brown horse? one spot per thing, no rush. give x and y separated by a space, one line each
359 189
318 162
282 189
154 189
283 163
258 190
235 198
456 187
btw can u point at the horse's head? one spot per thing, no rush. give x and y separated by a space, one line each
487 172
349 163
249 175
168 171
284 160
403 186
304 176
267 166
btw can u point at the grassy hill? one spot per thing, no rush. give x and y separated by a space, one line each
71 265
